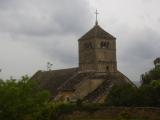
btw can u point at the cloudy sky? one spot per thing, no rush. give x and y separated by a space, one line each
33 32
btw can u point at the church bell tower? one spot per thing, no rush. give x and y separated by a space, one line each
97 51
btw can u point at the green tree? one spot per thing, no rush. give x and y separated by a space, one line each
122 95
145 96
153 74
21 99
149 94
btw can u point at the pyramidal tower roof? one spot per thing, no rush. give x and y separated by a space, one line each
97 32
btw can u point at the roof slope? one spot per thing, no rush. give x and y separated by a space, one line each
74 80
100 92
52 80
97 32
79 77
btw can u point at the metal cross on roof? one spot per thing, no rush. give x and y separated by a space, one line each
96 17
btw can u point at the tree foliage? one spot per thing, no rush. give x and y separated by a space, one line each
144 96
153 74
150 94
121 95
21 100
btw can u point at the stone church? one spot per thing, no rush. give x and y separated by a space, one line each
96 74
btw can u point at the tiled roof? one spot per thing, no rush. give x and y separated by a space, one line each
79 77
97 32
52 80
74 80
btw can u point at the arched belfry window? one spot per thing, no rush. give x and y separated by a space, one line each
104 44
88 45
67 99
107 68
107 45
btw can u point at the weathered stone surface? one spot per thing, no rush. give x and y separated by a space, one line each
97 51
108 113
96 74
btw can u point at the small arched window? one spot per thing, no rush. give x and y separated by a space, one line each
104 44
88 45
107 45
68 99
107 68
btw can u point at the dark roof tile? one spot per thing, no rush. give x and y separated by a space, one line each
52 80
97 32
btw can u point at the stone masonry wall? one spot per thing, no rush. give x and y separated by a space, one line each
116 113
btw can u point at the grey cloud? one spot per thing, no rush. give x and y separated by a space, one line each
141 47
158 20
51 28
5 4
147 1
64 49
36 18
145 44
73 19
